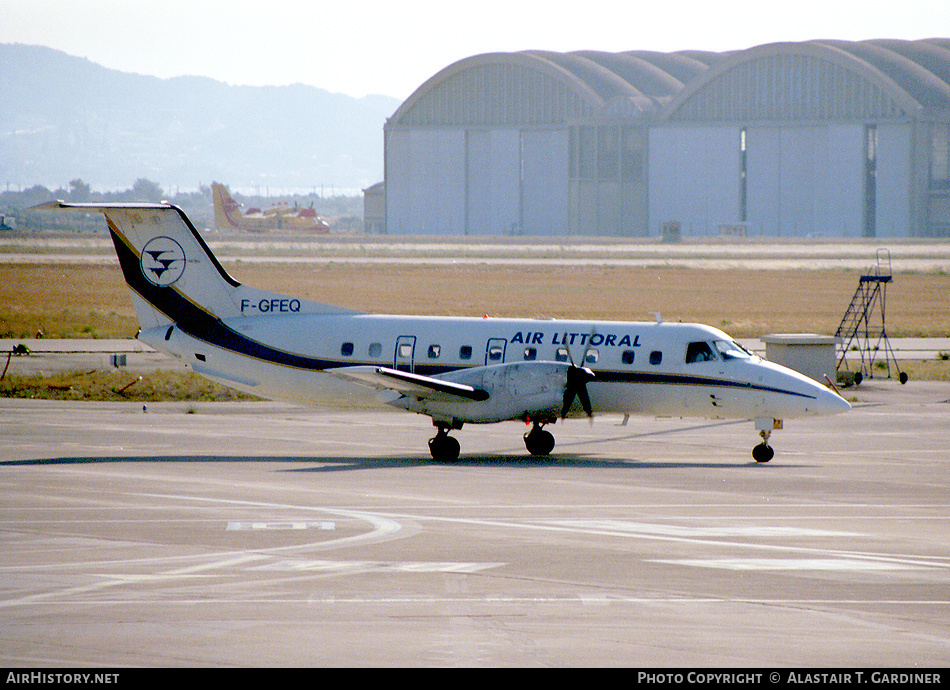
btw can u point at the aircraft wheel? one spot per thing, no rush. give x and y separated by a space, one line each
763 453
444 447
539 442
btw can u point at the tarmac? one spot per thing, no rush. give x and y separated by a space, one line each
264 534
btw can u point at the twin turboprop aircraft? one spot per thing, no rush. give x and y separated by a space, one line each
455 370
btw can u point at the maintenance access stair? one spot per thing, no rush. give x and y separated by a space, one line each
863 331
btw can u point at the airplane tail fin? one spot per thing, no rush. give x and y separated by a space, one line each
174 277
227 211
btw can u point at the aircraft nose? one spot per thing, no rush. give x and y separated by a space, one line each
830 402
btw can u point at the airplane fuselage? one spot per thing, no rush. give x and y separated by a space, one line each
638 367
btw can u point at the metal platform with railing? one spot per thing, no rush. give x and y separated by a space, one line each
862 335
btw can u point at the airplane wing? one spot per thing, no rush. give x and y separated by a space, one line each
415 385
483 394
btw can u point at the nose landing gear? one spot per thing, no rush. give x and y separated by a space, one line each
763 452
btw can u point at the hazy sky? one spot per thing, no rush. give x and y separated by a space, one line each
391 47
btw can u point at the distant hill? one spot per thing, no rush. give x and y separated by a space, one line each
63 117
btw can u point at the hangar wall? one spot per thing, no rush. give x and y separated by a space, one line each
821 138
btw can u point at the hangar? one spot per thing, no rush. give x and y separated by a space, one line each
820 138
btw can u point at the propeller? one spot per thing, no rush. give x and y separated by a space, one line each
576 384
576 387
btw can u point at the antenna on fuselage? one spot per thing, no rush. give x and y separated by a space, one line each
658 316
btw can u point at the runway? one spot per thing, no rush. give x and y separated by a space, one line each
261 534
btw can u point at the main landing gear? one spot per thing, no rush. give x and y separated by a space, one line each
444 447
538 441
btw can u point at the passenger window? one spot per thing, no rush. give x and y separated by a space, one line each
375 349
405 350
435 351
346 349
530 353
495 353
465 352
699 352
656 357
627 357
561 355
592 356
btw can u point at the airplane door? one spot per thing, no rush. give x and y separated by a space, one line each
495 350
403 358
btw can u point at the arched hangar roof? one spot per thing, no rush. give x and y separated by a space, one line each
544 87
811 80
822 79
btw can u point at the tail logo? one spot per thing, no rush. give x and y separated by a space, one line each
163 261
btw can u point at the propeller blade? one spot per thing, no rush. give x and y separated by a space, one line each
568 401
585 399
576 387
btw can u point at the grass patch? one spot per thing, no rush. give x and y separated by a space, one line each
119 386
927 370
66 324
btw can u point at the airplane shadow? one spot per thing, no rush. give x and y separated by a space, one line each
568 456
343 464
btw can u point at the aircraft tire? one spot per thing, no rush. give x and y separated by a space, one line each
539 442
444 448
763 453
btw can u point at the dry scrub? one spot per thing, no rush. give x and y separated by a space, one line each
118 386
77 301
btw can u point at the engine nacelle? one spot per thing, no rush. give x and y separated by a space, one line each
515 391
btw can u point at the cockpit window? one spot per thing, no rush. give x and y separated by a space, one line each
729 349
699 352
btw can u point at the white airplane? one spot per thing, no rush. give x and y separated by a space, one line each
455 370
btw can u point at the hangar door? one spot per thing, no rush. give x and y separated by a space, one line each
516 182
544 182
493 179
425 182
694 178
805 181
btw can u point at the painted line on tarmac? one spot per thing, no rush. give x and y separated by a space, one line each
362 567
814 554
715 531
794 564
